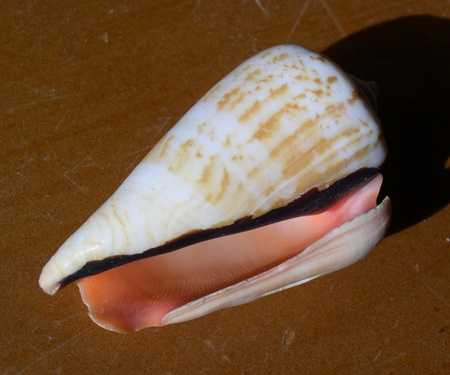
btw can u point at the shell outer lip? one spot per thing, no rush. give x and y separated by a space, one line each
339 248
310 202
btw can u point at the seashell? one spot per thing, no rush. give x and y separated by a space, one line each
269 181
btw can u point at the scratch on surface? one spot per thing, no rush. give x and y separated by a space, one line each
30 7
26 160
436 294
396 368
138 154
210 345
160 126
12 110
333 17
48 93
297 21
260 6
22 175
197 4
381 293
66 173
214 348
104 37
116 352
62 119
54 350
59 322
73 182
133 163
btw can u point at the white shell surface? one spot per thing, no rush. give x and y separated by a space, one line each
284 121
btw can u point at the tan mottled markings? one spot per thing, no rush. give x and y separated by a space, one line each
227 141
250 111
224 185
301 77
269 190
245 69
297 162
227 98
332 79
320 58
251 76
212 92
348 132
280 57
334 167
364 123
307 126
211 183
280 90
356 95
117 216
267 128
182 155
292 66
361 153
253 172
198 154
330 161
186 145
335 110
318 81
318 93
206 175
237 157
201 126
301 96
291 139
212 134
165 146
266 79
256 106
240 187
239 99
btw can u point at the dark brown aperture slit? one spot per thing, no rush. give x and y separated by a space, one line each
311 202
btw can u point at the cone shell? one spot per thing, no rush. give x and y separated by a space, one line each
284 122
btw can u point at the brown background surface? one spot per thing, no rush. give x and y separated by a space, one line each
88 87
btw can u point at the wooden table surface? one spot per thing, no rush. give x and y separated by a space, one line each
87 90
